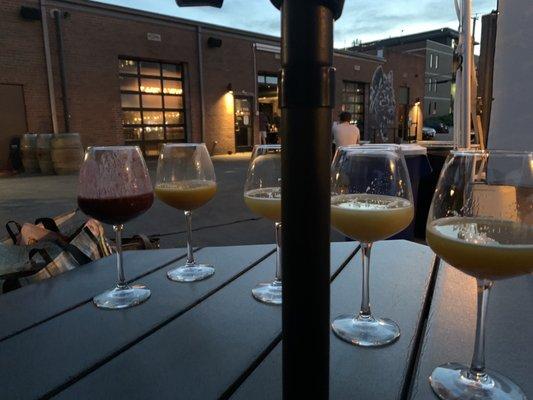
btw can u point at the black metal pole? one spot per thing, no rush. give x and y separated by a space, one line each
306 100
62 68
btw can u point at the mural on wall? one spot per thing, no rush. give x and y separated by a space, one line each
382 103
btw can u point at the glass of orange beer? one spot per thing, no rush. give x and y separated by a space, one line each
262 195
371 200
186 181
481 222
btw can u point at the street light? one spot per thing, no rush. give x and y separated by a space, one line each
306 99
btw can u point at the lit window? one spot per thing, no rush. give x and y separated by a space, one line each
152 103
353 101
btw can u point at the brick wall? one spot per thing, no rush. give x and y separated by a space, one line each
22 62
96 36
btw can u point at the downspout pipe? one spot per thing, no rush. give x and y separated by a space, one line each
256 91
467 73
48 61
58 15
201 82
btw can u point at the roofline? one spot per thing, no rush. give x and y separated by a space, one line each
414 37
357 54
168 19
127 11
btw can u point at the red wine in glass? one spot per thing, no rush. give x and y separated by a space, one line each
116 211
114 187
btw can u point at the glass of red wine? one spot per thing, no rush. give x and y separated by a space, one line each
114 187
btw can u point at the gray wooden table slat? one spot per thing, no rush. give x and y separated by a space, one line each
52 353
399 277
35 303
200 354
451 328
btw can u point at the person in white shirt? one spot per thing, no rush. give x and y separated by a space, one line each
344 133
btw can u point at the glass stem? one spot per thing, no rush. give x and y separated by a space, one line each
190 253
365 301
278 251
477 368
121 280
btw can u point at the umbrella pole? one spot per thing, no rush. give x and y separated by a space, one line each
306 97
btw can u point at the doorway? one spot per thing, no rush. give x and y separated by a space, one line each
12 118
403 114
244 123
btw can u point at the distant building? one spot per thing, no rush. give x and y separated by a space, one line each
436 47
140 78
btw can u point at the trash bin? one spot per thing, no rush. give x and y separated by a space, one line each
15 158
419 168
436 156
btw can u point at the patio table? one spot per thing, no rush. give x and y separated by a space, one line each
211 339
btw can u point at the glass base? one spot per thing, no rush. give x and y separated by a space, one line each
452 381
269 293
191 273
365 331
122 297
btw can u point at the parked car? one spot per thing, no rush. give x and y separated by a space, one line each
437 125
428 133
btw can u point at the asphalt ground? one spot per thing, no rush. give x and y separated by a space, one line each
224 221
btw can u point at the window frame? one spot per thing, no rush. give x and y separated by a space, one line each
357 85
142 141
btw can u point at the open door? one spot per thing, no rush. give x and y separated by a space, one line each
12 118
244 123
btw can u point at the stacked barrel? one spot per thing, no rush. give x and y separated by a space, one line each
51 153
28 148
44 156
67 153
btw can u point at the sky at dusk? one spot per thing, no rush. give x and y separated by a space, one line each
364 20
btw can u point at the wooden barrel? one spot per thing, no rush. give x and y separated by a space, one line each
67 153
44 155
28 147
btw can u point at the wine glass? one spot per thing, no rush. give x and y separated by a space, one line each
114 187
262 195
481 222
186 181
371 200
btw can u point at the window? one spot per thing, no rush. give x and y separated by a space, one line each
267 101
430 81
152 103
436 61
434 108
353 101
263 79
430 60
435 85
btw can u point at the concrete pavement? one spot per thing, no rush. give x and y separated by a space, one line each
225 220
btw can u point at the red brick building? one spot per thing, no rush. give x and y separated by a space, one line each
136 77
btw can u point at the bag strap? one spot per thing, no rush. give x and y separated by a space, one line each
76 253
48 223
44 255
95 240
10 232
145 240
